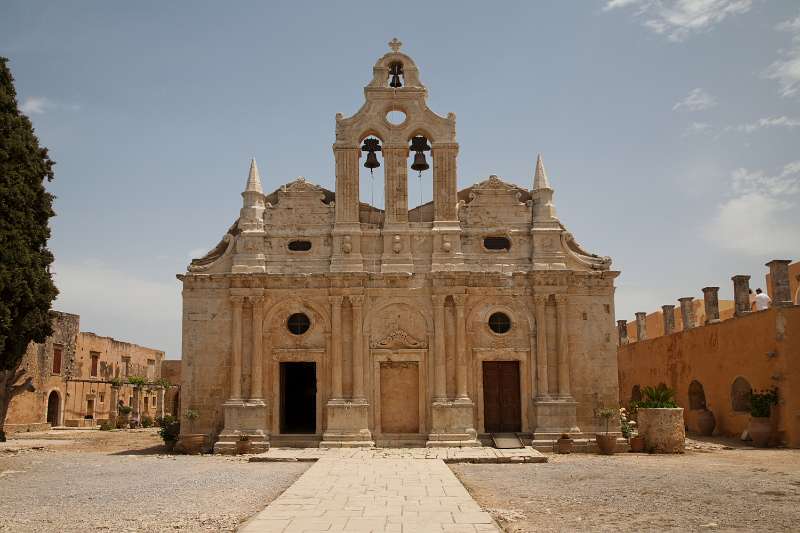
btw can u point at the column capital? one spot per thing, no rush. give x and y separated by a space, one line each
356 300
778 262
712 290
686 299
641 314
540 299
442 146
237 299
622 322
336 300
345 148
256 300
438 299
459 300
561 299
740 277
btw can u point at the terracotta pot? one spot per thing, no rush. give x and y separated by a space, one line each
706 423
192 443
760 430
606 444
169 445
637 444
662 429
564 445
243 446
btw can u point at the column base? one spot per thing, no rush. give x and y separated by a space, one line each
452 424
554 416
347 425
244 420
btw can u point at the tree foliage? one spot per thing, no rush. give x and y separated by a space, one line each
26 287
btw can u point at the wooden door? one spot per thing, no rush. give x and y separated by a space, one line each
399 397
502 409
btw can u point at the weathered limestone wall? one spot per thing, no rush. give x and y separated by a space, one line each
761 347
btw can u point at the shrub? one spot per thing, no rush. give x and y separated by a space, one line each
761 402
656 398
137 381
191 416
170 429
606 414
116 382
124 409
121 422
147 422
106 425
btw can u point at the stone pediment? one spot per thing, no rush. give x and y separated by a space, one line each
494 191
398 338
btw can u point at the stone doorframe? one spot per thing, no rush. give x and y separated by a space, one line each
418 356
61 405
302 355
522 355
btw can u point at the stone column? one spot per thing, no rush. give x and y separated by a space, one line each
257 360
622 332
236 348
668 312
461 355
358 343
396 184
741 294
114 399
541 345
347 183
563 345
336 347
779 276
439 357
444 181
711 304
161 393
687 312
641 326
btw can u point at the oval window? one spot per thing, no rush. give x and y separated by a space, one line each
300 246
497 243
298 323
499 323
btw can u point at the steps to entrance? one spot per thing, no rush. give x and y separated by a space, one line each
506 441
448 455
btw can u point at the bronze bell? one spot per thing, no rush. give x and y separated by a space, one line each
371 146
372 161
420 163
395 69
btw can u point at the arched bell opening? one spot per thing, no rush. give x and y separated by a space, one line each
420 178
396 77
371 179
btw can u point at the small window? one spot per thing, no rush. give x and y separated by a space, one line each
499 323
95 359
102 397
57 359
299 246
497 243
298 323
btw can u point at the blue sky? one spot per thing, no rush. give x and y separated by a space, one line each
669 129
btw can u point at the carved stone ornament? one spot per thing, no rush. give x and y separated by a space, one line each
398 338
397 246
347 246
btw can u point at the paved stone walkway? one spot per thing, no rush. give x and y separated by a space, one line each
361 493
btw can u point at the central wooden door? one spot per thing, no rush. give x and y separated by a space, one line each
502 409
399 397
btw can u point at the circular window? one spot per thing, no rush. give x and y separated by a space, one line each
395 117
298 323
499 323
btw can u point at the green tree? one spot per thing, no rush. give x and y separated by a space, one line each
26 287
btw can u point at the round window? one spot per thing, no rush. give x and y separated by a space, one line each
298 323
499 323
395 117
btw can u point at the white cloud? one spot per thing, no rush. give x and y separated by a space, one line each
761 215
697 128
769 122
697 100
35 105
118 304
678 19
786 70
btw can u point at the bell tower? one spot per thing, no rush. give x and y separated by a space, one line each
396 86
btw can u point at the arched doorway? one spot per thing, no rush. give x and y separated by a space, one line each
53 408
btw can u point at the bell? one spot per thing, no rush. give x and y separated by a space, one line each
395 81
372 161
395 69
419 163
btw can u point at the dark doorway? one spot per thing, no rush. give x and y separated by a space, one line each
298 398
52 408
502 411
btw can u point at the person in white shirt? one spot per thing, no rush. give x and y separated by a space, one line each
762 301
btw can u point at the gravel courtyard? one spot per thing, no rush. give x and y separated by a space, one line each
710 489
122 481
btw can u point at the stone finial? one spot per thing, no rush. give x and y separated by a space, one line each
669 318
540 180
254 179
711 302
687 312
395 44
741 294
622 331
779 276
641 326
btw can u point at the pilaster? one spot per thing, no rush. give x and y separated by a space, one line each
346 256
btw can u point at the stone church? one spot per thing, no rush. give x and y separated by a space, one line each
322 320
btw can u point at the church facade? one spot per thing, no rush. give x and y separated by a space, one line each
322 320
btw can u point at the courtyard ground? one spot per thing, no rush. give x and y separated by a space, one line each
122 481
706 489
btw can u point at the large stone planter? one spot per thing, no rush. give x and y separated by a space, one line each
662 429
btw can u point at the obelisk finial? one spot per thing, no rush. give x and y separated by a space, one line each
395 44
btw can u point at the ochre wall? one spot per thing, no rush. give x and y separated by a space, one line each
762 347
655 321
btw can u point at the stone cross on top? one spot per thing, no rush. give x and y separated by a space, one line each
395 44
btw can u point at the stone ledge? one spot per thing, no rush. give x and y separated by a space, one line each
452 455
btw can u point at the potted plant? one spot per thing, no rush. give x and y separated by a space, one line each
628 428
761 403
606 444
123 412
170 430
564 443
192 443
243 445
660 420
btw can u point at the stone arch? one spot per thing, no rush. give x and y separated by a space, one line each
322 317
519 314
740 394
697 396
375 319
636 394
54 407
